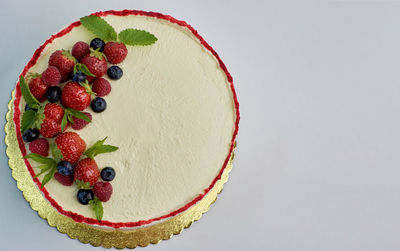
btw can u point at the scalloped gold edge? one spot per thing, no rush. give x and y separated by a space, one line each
118 238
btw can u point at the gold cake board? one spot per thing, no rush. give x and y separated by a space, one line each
118 238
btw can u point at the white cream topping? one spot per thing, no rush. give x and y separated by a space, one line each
171 115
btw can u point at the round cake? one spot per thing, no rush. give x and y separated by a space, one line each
158 126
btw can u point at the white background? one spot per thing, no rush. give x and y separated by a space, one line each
318 163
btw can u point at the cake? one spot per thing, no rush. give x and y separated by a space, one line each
164 117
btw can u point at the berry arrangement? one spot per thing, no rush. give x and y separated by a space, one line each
56 103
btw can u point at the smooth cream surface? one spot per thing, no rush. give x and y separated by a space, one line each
171 115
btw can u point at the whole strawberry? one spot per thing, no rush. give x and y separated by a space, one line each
79 50
101 87
37 87
65 180
40 146
96 63
64 62
115 52
87 171
103 190
51 76
79 124
71 145
54 111
75 96
50 128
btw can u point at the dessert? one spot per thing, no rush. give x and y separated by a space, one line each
126 125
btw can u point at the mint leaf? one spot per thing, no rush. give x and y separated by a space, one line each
99 27
83 68
26 93
82 185
99 148
28 119
44 168
64 121
56 153
39 158
97 207
49 175
79 115
136 37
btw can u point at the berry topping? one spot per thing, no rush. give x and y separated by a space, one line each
95 63
40 146
53 94
107 174
87 171
101 87
78 123
54 111
114 72
50 128
38 88
71 146
64 62
27 108
98 105
51 76
75 96
65 168
103 190
65 180
84 196
78 77
30 135
79 50
97 43
115 52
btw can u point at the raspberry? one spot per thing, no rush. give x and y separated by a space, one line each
65 180
79 124
51 76
101 87
80 49
40 146
103 190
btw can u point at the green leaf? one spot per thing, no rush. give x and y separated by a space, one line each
39 158
44 168
26 93
97 208
56 153
99 27
86 71
49 175
79 115
64 121
136 37
28 119
99 148
82 185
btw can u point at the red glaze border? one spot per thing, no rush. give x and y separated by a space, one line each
17 114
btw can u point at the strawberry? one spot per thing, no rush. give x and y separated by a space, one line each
71 146
40 146
54 111
101 87
96 63
64 62
51 76
76 96
37 87
80 49
87 171
65 180
103 190
79 124
115 52
50 128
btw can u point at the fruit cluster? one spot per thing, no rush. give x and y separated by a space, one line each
56 100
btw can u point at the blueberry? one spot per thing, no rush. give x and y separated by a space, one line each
108 174
27 107
98 104
53 94
97 43
78 77
30 135
114 72
84 196
65 168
